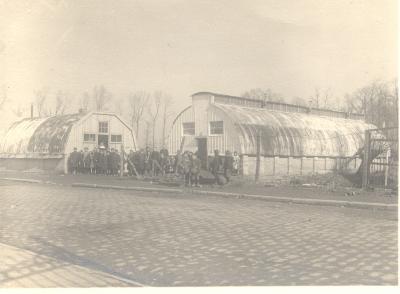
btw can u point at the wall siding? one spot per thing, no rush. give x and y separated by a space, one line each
291 166
90 125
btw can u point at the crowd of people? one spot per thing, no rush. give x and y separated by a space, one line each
153 163
98 161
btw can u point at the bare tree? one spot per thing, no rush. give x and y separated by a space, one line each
326 96
40 101
138 102
119 106
147 132
167 102
264 95
154 111
61 103
101 96
315 98
84 102
378 101
299 101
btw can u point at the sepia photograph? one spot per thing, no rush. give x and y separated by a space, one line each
198 143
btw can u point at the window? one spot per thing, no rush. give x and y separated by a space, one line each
89 137
116 138
188 129
103 127
216 127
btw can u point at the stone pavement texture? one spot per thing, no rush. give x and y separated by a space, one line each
183 240
21 268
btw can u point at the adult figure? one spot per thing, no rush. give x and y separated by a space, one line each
86 160
147 161
216 165
96 159
186 167
195 170
74 161
178 162
228 165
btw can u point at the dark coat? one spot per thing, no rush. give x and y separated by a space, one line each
228 162
216 164
196 166
74 159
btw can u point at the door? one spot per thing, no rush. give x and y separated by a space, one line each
202 152
103 140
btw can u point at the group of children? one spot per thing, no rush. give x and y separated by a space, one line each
97 161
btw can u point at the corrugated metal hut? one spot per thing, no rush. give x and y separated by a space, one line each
293 139
43 143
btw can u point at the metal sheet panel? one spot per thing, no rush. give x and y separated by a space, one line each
295 134
39 135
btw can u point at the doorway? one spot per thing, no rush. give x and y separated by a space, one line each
202 151
103 140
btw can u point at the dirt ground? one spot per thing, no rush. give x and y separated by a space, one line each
331 187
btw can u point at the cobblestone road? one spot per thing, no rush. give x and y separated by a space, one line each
164 240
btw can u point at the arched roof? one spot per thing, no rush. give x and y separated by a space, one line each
295 134
39 135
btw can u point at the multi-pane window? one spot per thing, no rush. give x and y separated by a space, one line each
103 127
188 128
89 137
216 127
116 138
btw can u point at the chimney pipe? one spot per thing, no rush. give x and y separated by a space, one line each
31 110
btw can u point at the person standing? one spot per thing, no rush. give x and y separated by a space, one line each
216 165
108 162
116 163
178 162
96 159
195 170
91 164
186 166
228 165
236 163
86 160
147 162
131 162
142 162
103 161
74 161
155 158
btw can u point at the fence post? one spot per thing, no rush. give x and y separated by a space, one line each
365 162
258 155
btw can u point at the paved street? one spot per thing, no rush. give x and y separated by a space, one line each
188 240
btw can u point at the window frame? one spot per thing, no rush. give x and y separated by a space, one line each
99 127
194 128
210 128
90 135
115 142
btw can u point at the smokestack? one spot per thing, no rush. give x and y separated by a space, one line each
31 110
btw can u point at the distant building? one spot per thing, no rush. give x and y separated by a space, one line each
293 139
43 143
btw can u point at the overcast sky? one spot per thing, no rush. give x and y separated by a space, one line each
186 46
